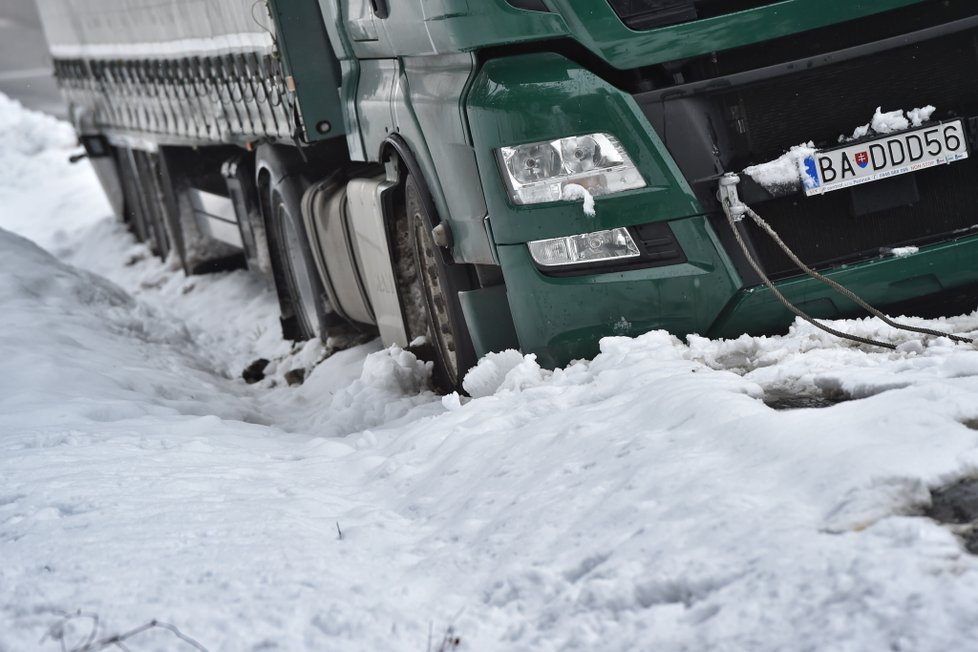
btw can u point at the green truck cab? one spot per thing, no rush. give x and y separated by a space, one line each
535 174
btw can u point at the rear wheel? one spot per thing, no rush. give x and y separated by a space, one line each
439 280
299 286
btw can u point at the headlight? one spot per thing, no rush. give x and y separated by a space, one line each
537 172
585 248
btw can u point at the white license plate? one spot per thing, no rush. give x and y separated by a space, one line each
901 153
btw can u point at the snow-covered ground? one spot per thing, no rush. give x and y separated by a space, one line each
646 500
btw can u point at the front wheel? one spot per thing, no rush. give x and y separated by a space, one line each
439 280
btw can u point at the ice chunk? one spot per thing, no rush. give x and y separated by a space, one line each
920 116
507 369
395 370
887 123
785 172
903 252
573 191
860 132
891 121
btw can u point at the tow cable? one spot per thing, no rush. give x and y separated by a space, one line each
736 210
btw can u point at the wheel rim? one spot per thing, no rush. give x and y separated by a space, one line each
440 321
301 279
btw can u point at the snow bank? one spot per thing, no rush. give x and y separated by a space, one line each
42 196
25 135
77 347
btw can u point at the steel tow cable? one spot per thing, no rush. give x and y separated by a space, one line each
735 210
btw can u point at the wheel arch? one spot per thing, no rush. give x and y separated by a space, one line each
395 144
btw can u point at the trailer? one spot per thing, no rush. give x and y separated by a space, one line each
466 176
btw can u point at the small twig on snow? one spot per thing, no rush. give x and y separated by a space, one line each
57 632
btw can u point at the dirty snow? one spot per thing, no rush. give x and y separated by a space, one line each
646 500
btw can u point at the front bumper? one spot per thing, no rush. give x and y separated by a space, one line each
882 282
562 319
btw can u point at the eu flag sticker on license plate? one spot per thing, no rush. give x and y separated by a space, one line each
889 156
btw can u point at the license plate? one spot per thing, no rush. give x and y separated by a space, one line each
901 153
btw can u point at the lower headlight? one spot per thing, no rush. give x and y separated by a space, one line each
614 244
538 172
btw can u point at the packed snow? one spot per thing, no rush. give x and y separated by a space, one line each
649 499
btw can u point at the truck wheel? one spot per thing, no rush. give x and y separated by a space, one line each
297 280
134 213
440 281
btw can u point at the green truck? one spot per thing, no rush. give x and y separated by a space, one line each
536 174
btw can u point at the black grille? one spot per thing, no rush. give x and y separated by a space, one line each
822 103
658 244
823 231
648 14
730 123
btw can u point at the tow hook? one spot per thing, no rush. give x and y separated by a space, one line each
730 198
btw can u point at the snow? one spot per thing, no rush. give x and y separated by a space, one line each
891 121
919 116
903 252
506 370
887 123
785 172
574 191
648 499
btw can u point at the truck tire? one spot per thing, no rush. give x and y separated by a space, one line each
440 280
134 212
145 199
154 206
300 290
